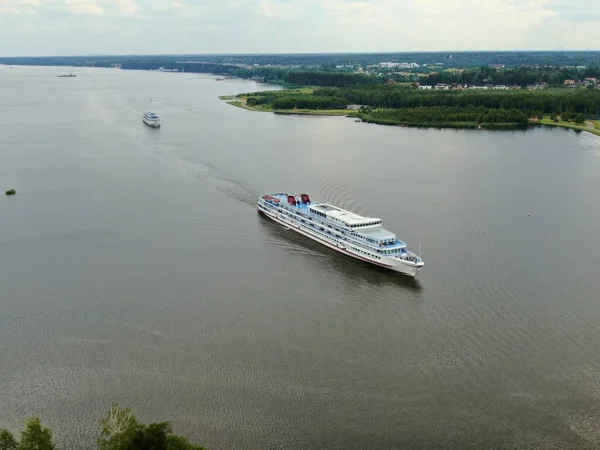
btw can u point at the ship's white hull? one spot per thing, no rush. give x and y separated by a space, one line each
342 246
151 123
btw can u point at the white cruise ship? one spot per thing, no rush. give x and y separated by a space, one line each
151 119
362 238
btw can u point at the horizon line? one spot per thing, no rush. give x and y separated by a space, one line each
95 55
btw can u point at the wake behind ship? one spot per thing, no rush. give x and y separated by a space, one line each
360 237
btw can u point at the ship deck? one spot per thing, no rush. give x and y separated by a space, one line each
373 233
302 207
376 233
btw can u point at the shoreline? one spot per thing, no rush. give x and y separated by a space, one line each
240 102
591 126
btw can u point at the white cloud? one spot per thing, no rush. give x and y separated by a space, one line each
265 8
84 7
280 9
125 6
296 25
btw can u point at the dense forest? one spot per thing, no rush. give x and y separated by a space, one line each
461 109
119 430
307 77
522 76
533 103
444 116
295 99
546 101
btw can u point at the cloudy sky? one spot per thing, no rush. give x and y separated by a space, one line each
74 27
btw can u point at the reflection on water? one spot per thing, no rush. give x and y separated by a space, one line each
133 269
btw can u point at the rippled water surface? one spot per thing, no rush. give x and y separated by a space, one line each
134 268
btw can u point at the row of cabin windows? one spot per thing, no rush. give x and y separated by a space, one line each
345 224
385 252
354 248
328 233
319 213
323 234
366 253
364 224
360 236
372 241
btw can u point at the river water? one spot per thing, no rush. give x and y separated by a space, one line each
134 268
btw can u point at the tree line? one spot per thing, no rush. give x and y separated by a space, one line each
314 60
322 70
537 102
520 76
307 77
296 99
461 109
120 430
446 116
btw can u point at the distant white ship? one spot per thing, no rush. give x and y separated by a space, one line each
220 78
151 119
361 237
67 75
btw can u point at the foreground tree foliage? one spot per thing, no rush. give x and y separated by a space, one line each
36 437
33 437
120 431
7 441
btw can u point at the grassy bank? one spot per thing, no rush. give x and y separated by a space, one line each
591 126
240 102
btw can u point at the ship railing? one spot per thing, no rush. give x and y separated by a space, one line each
408 256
